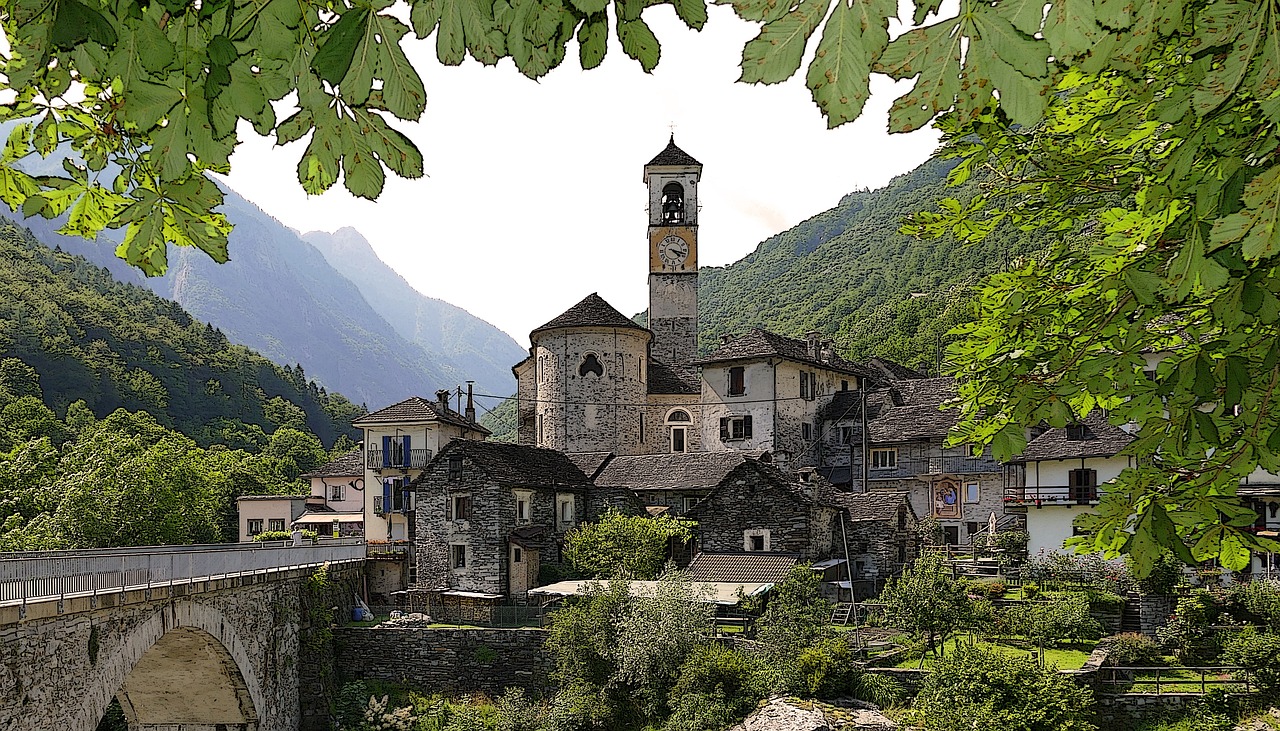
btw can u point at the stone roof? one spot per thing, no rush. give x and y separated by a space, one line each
760 343
592 311
669 379
350 464
672 155
906 411
893 371
687 471
1101 439
416 409
873 505
745 568
590 462
516 464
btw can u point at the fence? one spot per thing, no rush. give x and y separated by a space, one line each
1175 679
27 577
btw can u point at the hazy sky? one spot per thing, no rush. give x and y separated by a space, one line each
533 197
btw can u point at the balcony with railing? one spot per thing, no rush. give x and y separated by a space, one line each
414 459
1052 495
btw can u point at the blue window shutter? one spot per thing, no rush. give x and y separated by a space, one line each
386 496
386 451
408 458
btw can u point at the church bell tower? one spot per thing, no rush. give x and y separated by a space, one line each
672 179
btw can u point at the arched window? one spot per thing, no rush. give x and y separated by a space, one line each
678 425
673 204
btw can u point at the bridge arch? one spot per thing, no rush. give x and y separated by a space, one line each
184 664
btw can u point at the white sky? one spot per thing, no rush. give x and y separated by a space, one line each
533 196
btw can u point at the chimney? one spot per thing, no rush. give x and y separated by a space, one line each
726 337
442 400
813 338
471 406
827 351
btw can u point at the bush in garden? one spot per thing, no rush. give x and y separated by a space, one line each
1166 574
576 706
1130 649
975 688
1030 590
1101 600
716 687
515 711
1187 635
1013 543
1062 618
1258 652
1257 601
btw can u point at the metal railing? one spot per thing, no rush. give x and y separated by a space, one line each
416 459
1052 495
43 575
1177 679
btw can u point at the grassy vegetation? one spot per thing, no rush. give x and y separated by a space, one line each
1065 657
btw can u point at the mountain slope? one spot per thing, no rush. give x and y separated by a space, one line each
481 351
117 345
280 296
848 273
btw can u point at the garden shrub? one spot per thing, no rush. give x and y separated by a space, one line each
1166 573
576 706
1030 590
1063 618
827 669
1130 649
1258 652
975 688
515 711
713 672
1101 600
1187 635
1257 601
1013 543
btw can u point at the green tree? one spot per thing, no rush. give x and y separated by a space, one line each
978 688
297 451
18 379
716 687
927 600
135 485
284 413
628 546
796 617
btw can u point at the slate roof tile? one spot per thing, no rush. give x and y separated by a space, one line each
687 471
893 371
873 505
592 311
907 410
417 409
746 568
760 343
672 155
1101 439
516 464
669 379
350 464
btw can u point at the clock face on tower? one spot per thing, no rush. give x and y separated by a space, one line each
673 251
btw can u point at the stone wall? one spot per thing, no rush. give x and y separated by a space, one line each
445 660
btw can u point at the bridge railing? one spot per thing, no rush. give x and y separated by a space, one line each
43 575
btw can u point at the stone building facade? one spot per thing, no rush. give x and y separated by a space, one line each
757 507
904 452
489 515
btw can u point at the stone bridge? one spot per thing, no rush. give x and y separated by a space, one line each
188 638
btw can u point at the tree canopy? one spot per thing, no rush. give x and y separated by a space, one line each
148 94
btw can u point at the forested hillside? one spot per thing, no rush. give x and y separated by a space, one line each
849 273
117 345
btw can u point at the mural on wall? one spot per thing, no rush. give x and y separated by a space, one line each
946 500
